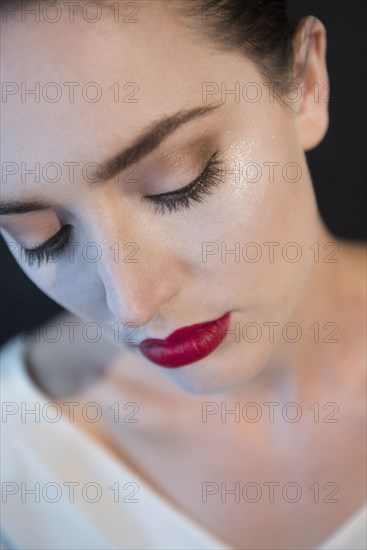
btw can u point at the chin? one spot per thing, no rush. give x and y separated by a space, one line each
207 377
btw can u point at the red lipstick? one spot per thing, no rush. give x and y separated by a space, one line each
186 345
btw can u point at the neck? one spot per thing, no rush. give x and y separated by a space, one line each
295 366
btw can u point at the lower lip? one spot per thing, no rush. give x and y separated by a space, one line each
186 345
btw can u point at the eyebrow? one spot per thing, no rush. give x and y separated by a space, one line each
148 141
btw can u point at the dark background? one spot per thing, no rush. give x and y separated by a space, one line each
338 165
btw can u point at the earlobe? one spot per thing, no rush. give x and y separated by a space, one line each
309 46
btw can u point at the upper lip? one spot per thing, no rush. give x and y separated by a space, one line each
176 333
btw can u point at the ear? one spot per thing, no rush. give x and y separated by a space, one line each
309 47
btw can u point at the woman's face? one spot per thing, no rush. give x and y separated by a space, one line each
130 258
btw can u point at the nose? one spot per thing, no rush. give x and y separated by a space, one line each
139 280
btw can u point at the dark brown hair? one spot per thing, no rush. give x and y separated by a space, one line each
258 28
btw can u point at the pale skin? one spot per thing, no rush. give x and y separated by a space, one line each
170 286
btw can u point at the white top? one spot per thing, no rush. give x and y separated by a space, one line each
111 508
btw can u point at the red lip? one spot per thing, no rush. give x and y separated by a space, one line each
186 345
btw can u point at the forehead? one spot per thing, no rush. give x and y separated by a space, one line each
81 92
104 79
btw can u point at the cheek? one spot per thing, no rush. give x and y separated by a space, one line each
255 226
70 285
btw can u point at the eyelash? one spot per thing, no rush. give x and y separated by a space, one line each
182 199
44 252
192 193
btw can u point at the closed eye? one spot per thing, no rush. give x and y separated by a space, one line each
46 251
192 193
173 201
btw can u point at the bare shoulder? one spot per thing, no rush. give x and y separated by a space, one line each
353 275
352 349
353 254
70 362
